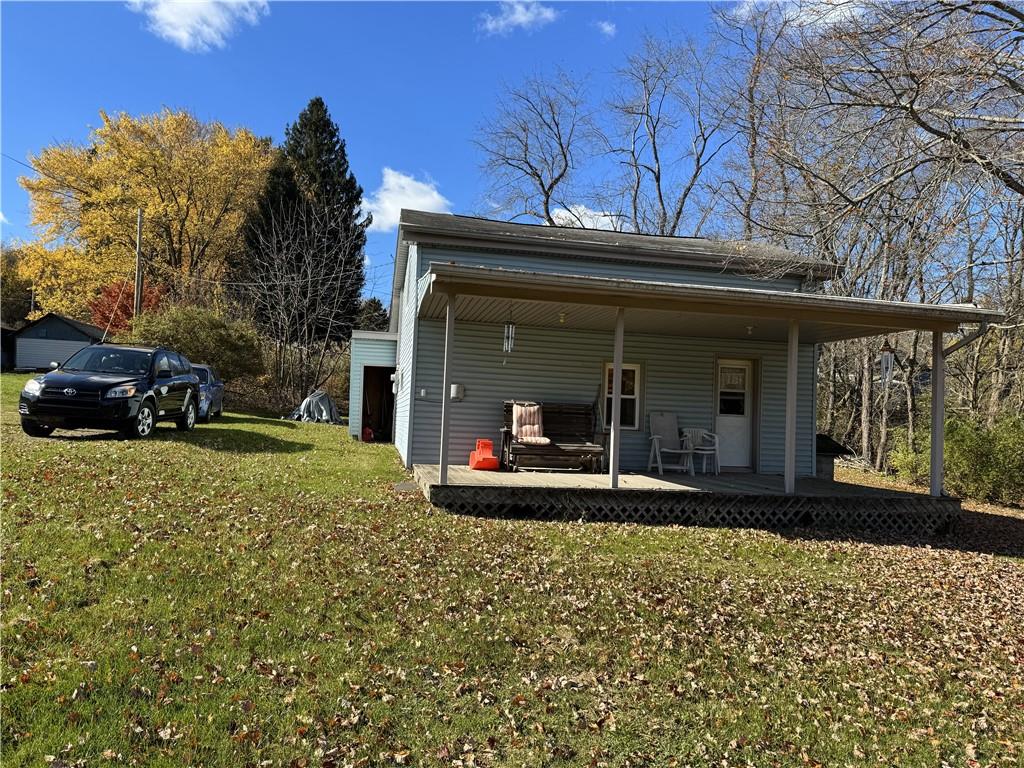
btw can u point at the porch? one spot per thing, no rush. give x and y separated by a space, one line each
735 500
672 320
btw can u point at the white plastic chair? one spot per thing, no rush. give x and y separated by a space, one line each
705 445
665 444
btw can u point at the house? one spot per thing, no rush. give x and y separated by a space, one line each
51 338
723 334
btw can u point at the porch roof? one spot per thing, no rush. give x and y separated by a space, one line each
545 299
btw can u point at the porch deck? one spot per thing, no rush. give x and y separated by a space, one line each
734 500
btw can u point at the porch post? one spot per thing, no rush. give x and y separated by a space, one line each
938 413
446 385
613 459
792 368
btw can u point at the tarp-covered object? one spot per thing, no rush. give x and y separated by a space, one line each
317 407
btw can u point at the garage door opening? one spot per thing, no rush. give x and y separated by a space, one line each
378 404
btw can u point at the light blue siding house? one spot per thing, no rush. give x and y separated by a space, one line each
724 335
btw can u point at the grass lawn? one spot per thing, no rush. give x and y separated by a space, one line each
256 593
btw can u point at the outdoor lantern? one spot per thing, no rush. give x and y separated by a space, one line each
887 359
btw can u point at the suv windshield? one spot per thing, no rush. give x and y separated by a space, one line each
109 360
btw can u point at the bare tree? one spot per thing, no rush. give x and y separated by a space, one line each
533 146
298 272
950 73
667 129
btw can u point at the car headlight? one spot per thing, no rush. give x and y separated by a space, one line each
33 387
125 391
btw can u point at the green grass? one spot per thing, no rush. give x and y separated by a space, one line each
256 593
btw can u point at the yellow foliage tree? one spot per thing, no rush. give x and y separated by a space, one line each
64 278
196 183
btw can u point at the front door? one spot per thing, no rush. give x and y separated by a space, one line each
734 423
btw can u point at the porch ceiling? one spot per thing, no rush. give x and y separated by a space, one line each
487 295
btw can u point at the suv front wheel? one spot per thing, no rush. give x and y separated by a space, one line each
187 422
34 429
143 423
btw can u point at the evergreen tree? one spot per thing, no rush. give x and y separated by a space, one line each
316 153
372 316
312 170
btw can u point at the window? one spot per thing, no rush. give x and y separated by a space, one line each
176 367
629 414
732 391
102 359
163 363
203 376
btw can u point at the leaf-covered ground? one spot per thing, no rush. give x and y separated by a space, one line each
257 593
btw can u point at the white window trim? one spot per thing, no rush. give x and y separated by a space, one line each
635 367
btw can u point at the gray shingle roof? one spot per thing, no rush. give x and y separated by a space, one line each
691 250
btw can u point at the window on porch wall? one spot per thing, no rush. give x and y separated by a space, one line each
629 413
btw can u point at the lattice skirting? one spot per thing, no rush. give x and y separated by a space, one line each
905 515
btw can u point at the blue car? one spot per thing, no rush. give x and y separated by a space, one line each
211 392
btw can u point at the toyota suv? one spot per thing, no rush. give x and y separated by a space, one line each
112 386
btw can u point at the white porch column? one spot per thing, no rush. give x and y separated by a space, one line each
938 413
792 368
446 385
613 459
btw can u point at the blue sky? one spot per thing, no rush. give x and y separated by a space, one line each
408 83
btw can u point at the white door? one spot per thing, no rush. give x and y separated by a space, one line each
734 421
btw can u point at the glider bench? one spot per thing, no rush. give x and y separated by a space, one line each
567 441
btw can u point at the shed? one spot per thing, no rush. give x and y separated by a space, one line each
7 348
371 401
52 338
827 451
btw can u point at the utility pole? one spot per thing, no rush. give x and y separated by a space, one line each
138 268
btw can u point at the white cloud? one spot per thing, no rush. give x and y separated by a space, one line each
517 14
4 219
582 216
199 25
606 28
399 190
810 15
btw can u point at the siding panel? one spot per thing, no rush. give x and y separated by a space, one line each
35 353
677 374
380 352
407 306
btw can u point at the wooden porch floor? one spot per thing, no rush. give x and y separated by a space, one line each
735 500
728 483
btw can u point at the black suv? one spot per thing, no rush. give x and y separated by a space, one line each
111 386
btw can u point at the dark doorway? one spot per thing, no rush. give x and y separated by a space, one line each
378 404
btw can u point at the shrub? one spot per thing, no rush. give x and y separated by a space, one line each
911 466
982 462
203 336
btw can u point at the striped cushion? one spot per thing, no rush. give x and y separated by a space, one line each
527 421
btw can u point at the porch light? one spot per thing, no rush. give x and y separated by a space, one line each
887 359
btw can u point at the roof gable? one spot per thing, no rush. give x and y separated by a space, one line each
82 329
